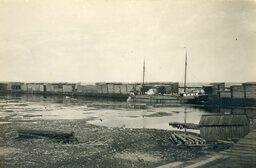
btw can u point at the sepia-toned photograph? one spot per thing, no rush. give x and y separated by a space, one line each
127 83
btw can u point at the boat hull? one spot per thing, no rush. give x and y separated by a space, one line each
162 99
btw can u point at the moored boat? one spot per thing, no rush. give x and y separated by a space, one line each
155 95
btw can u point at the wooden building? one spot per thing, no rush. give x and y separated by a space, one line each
3 87
250 90
111 88
14 86
117 88
24 87
224 126
68 87
87 89
35 87
54 87
209 90
225 94
214 89
124 89
219 86
237 92
102 88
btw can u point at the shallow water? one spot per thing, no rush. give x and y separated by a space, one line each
30 108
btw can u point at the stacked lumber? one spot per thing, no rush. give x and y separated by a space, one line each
187 139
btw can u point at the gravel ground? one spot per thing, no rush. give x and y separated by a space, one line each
97 146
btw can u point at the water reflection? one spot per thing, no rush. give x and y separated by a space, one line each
98 111
103 112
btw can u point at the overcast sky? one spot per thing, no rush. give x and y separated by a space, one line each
90 41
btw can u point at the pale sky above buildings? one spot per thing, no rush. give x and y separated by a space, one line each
92 40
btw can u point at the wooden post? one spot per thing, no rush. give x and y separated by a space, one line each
218 94
107 88
185 76
231 95
244 89
143 77
185 119
219 91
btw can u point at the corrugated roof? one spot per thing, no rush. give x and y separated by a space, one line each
224 120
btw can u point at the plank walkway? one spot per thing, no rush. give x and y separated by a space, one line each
241 155
195 163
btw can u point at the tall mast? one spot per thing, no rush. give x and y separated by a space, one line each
185 77
143 79
185 119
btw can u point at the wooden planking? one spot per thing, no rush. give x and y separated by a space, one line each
242 154
206 161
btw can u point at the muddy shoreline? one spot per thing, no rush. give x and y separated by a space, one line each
97 146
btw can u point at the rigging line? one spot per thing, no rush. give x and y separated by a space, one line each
194 76
143 80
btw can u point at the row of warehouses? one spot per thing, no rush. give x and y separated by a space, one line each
234 95
245 90
98 88
36 87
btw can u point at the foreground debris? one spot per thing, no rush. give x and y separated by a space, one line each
64 137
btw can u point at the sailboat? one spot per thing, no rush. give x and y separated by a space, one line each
153 97
188 95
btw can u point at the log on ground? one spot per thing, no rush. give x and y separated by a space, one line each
65 137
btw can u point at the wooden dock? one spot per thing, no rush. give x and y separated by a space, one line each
241 155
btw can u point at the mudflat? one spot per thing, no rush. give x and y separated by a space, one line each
96 146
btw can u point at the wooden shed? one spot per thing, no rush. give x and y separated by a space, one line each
224 126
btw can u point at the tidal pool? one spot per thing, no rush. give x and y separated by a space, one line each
28 108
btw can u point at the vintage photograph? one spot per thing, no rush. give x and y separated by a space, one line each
127 83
